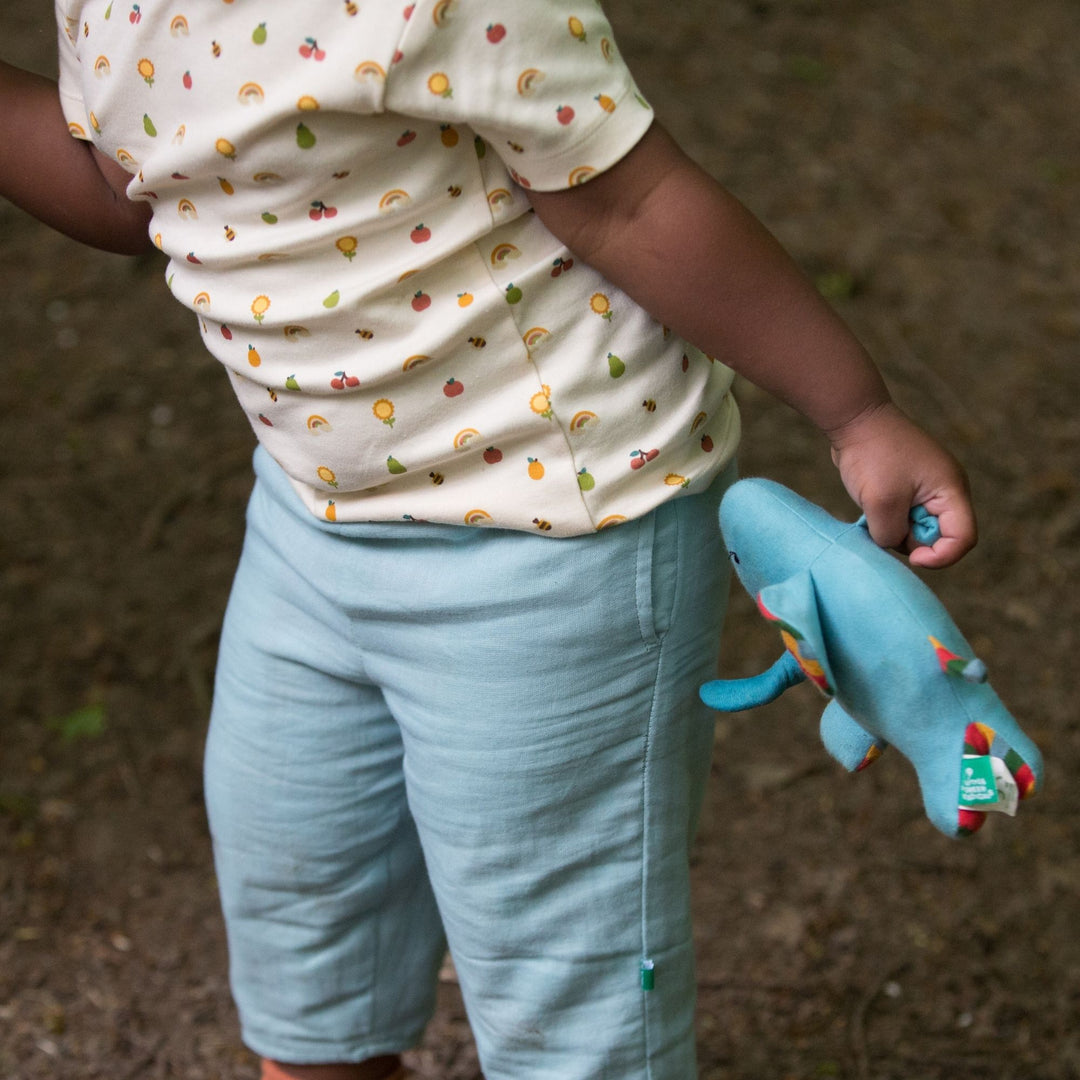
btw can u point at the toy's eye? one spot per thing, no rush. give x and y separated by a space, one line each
733 556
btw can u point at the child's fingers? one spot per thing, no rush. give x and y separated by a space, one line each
945 552
887 520
959 534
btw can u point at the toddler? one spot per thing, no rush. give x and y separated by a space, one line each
453 269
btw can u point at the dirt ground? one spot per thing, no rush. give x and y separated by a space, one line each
922 161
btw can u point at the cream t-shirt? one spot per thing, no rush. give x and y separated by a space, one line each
338 186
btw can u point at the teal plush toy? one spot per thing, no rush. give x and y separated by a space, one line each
876 641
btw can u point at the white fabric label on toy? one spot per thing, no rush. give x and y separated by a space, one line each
986 784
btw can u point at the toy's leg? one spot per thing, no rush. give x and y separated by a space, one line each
982 741
847 740
938 765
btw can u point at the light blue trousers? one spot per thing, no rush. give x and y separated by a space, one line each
424 729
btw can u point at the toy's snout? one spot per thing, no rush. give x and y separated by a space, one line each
771 533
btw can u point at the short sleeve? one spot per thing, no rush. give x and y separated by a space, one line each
541 81
70 80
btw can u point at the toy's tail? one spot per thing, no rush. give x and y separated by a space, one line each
733 695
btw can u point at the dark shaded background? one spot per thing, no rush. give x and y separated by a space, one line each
922 161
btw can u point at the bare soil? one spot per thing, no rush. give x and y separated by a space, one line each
922 162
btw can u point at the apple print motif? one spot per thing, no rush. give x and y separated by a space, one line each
564 114
495 33
421 301
493 455
420 235
453 388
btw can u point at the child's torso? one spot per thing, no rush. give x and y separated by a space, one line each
407 338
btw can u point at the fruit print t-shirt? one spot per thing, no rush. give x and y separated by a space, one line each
339 187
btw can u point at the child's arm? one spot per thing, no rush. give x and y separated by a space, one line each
688 252
62 181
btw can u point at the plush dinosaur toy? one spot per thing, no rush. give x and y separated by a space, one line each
865 630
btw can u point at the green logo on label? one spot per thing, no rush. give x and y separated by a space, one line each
977 785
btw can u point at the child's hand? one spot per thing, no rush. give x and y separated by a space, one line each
889 465
696 259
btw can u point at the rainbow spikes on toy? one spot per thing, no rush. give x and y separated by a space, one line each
876 641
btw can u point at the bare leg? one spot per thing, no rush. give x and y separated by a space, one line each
379 1068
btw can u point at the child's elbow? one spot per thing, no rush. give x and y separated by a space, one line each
128 233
